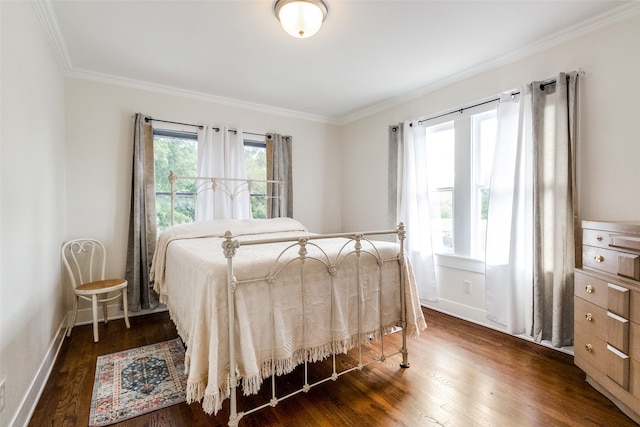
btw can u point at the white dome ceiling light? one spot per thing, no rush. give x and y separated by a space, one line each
301 18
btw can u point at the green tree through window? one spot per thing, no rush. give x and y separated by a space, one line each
255 155
178 152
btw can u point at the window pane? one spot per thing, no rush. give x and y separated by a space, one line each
441 206
484 141
485 144
440 157
441 174
178 152
255 154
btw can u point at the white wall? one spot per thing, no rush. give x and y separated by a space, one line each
32 199
609 140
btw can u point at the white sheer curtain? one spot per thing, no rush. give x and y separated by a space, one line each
221 155
208 139
413 205
509 258
235 167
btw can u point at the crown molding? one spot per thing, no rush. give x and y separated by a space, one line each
199 96
49 22
606 19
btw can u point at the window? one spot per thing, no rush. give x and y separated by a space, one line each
459 159
175 151
178 151
255 157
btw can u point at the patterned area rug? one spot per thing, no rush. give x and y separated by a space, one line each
137 381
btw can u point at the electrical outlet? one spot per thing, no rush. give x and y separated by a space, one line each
466 286
1 395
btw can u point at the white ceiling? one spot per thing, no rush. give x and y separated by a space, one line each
367 55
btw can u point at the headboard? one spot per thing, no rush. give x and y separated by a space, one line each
227 187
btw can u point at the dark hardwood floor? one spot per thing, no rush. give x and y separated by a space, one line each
461 374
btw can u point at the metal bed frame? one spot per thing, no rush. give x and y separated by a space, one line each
353 247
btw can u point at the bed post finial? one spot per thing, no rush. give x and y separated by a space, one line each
302 251
402 232
229 245
358 245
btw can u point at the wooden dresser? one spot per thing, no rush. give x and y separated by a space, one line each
607 312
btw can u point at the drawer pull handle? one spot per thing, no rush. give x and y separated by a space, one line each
588 347
599 238
589 289
598 258
589 317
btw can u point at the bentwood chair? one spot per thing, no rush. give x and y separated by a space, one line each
85 261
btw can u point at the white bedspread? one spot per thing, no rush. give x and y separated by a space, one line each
279 323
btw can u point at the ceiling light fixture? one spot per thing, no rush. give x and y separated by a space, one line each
301 18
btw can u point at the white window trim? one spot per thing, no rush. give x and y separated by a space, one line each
459 262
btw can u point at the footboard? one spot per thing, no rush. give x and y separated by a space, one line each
359 259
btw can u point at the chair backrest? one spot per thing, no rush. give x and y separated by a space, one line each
85 260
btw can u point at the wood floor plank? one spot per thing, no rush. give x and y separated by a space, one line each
461 374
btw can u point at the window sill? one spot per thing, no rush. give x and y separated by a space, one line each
459 263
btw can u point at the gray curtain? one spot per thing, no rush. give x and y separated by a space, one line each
142 218
555 208
395 138
279 166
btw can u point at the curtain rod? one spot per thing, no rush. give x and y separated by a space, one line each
151 119
217 129
236 131
549 82
478 104
461 110
543 85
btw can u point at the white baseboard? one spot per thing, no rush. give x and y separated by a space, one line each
478 316
30 400
85 316
464 312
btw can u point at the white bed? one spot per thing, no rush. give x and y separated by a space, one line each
290 297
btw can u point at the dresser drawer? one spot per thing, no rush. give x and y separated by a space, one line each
618 332
595 238
600 259
590 289
589 319
618 367
618 300
612 262
621 241
590 349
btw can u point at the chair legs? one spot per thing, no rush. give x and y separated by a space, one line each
104 312
94 310
125 308
74 314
